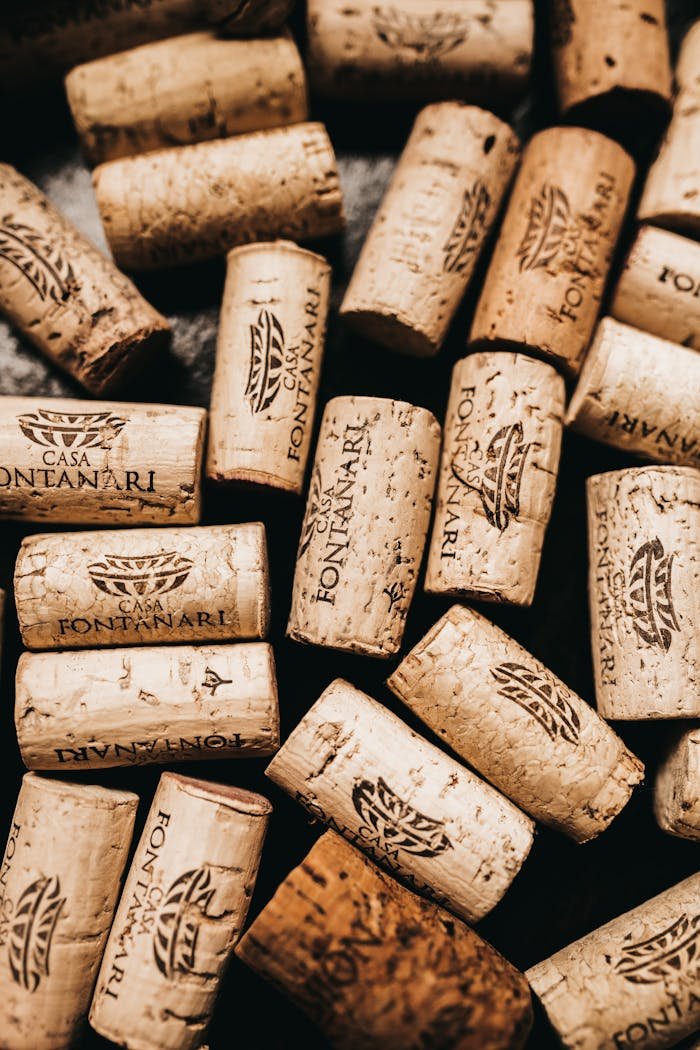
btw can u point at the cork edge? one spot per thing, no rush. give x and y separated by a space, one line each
249 803
93 795
297 634
271 247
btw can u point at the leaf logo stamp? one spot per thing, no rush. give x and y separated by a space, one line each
468 230
397 823
650 594
212 680
38 260
665 954
31 933
140 576
548 226
179 920
71 430
266 361
313 511
541 696
424 36
501 477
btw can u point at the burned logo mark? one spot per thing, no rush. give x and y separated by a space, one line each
140 576
468 230
548 225
397 824
665 954
313 510
266 361
651 601
38 260
71 430
31 933
423 36
546 700
395 592
212 680
502 475
179 920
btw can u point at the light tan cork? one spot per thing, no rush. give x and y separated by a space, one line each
644 591
366 523
79 590
61 876
671 195
640 394
269 352
547 274
431 227
187 89
128 707
480 50
498 474
659 287
414 810
244 17
377 967
630 983
184 905
65 297
677 786
116 464
517 724
189 203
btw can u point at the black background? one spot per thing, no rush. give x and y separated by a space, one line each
564 890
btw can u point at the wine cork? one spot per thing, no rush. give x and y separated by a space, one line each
79 590
630 983
358 768
366 522
517 724
671 195
639 393
268 364
245 17
677 786
498 472
431 227
555 248
375 966
118 464
129 707
480 50
186 89
184 904
659 287
61 876
644 590
66 297
189 203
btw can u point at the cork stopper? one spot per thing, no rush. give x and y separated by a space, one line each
677 786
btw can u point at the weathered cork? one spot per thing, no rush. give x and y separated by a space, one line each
677 786
244 17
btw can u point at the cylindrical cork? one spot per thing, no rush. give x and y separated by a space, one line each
480 50
498 473
375 966
66 297
431 227
187 89
677 786
671 195
268 363
420 814
548 270
659 287
366 522
183 908
245 17
630 983
644 591
188 203
639 393
79 590
517 724
118 464
61 875
129 707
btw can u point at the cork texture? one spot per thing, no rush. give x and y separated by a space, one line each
247 16
677 786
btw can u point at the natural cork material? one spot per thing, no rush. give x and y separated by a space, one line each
79 590
366 522
631 983
415 811
196 202
269 352
431 227
377 967
671 195
245 17
517 724
479 50
659 287
184 905
639 393
677 786
66 297
129 707
61 876
187 89
644 590
547 275
116 464
498 473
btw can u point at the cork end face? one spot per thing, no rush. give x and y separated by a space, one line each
248 802
390 331
513 594
343 645
91 795
246 480
125 358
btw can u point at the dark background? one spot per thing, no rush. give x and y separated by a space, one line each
564 890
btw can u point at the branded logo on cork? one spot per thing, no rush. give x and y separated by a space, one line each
663 955
425 36
468 231
396 823
313 511
177 927
651 600
38 261
71 430
548 224
31 932
499 479
546 700
266 361
142 575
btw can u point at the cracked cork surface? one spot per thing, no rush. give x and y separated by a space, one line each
677 786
